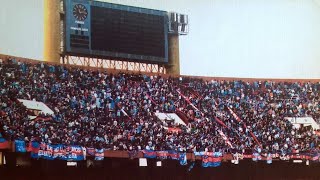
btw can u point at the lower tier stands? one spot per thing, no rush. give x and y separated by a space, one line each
97 109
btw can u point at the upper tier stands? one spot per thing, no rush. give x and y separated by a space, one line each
93 108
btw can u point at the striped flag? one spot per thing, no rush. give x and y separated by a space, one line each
4 144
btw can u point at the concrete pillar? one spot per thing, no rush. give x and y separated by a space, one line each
52 31
173 66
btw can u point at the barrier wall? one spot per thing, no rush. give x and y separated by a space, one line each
122 154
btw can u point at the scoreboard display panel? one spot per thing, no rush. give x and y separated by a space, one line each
115 31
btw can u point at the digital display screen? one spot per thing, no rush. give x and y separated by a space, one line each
116 31
128 32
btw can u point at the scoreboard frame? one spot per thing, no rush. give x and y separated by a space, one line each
83 27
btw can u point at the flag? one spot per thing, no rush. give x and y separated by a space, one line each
4 144
20 146
191 166
34 149
183 159
314 156
149 154
99 155
256 157
208 161
91 151
269 159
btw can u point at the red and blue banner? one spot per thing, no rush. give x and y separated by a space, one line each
34 149
51 152
210 159
174 155
162 154
314 156
4 144
149 154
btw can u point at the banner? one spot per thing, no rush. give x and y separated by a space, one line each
50 152
181 156
314 156
174 155
4 144
183 159
20 146
45 151
75 153
149 154
202 153
210 159
99 154
162 154
59 152
34 149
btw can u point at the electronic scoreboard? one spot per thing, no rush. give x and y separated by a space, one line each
115 31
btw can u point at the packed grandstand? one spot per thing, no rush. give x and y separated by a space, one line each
97 109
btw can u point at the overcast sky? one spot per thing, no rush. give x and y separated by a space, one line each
228 38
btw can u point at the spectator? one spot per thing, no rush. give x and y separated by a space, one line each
117 111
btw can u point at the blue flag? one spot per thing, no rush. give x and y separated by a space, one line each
99 154
35 146
20 146
269 159
183 159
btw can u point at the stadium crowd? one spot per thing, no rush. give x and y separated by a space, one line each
117 111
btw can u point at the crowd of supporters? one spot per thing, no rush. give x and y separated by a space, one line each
117 111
